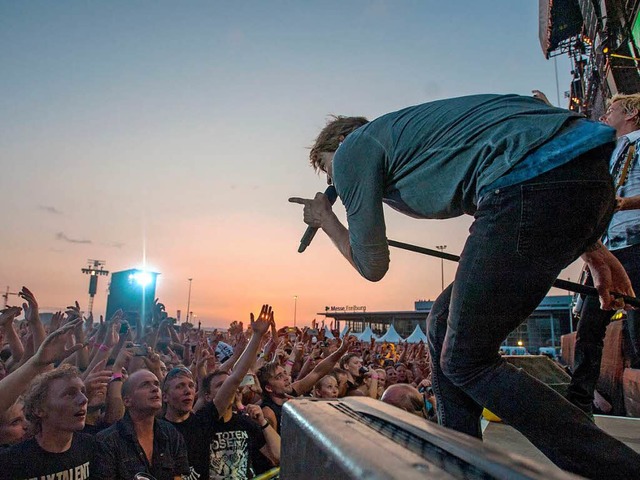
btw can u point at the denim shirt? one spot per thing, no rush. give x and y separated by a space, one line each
121 456
432 161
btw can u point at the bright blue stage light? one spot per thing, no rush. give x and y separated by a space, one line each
141 278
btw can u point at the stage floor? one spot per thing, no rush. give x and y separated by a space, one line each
506 438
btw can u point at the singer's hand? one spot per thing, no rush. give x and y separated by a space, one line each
316 210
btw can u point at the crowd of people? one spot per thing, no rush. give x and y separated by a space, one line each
114 399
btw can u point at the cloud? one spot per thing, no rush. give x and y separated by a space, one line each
49 209
62 236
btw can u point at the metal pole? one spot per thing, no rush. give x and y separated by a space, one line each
441 248
558 283
295 308
189 298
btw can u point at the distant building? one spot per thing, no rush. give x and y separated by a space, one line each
543 328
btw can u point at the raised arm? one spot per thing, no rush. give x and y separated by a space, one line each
52 350
32 315
7 316
259 327
304 385
271 449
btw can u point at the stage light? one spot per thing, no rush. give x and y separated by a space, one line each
141 278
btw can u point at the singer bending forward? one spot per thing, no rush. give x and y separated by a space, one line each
536 180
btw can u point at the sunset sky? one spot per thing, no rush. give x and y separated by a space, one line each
174 132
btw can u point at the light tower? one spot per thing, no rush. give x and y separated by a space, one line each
5 296
94 269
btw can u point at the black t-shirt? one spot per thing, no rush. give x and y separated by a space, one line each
196 430
27 460
234 447
219 450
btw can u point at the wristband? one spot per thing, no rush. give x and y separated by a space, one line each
289 362
265 426
116 377
375 376
104 348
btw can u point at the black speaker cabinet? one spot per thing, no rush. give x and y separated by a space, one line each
362 438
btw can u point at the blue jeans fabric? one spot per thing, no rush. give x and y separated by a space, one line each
521 239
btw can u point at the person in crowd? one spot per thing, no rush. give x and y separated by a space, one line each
392 376
13 425
277 387
239 440
401 371
56 407
140 442
201 430
361 380
326 387
493 157
406 398
382 381
343 381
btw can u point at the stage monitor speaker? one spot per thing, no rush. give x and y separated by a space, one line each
362 438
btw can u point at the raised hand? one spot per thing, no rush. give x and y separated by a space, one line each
274 332
8 315
112 336
541 96
53 349
30 307
97 379
122 360
255 413
73 311
264 320
88 323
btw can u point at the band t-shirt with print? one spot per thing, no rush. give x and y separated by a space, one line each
29 461
233 447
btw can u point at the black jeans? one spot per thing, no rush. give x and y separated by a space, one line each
521 239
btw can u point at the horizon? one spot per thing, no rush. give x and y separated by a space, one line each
169 136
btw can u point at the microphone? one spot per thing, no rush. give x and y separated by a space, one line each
310 232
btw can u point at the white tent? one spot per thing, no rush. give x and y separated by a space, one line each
391 336
327 332
344 331
417 336
367 335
